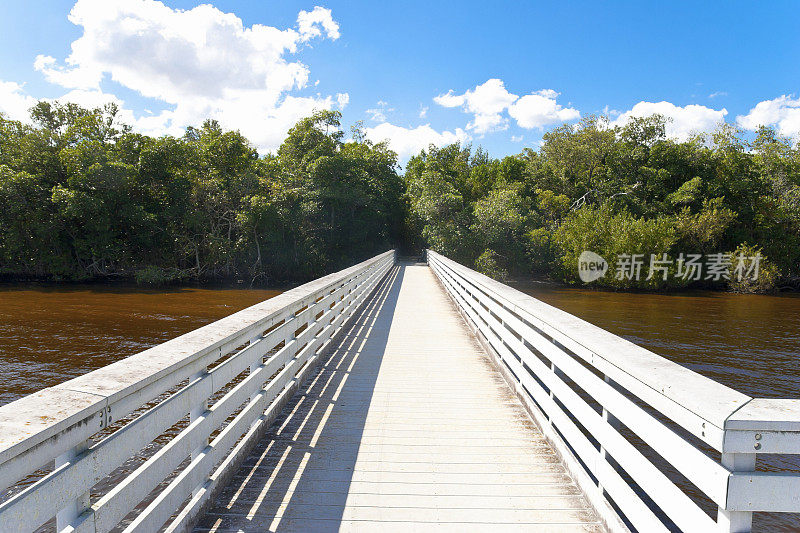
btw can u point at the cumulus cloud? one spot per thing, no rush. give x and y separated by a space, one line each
14 101
409 141
685 121
201 63
309 23
783 113
540 109
488 101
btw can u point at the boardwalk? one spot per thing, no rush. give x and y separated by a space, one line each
364 401
406 427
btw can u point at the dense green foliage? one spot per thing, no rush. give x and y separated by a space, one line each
84 197
614 191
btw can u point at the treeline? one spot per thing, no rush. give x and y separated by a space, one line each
616 191
84 197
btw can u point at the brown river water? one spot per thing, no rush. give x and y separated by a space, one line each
51 333
750 342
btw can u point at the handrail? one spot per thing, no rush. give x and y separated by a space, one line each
591 391
87 427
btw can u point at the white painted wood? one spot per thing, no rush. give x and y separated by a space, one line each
767 414
349 303
687 397
703 471
728 518
57 412
63 415
553 417
764 491
521 329
762 441
406 420
400 403
74 508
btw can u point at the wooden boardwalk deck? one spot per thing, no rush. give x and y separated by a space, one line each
406 426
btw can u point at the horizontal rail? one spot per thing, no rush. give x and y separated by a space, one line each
618 414
229 378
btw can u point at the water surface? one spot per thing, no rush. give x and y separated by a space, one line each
52 333
750 342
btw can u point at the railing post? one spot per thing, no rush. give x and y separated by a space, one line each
254 366
291 321
311 310
66 516
196 412
613 422
554 369
736 521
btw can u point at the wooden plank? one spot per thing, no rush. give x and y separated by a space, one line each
708 475
688 398
558 424
60 413
766 414
344 309
406 422
60 416
764 491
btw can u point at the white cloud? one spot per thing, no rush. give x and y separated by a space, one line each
717 94
85 78
423 111
409 141
150 124
16 104
450 99
783 113
202 62
309 22
488 101
378 113
516 138
540 109
686 121
14 101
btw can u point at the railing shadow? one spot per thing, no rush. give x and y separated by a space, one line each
299 476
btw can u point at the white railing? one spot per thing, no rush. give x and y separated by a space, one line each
230 379
590 392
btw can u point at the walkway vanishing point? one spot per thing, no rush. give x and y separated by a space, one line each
394 396
407 424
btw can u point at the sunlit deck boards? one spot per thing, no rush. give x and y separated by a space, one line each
406 427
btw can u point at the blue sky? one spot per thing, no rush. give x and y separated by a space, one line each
494 74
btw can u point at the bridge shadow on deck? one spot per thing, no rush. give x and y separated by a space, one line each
299 476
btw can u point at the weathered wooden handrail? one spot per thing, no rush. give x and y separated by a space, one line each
255 359
582 384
